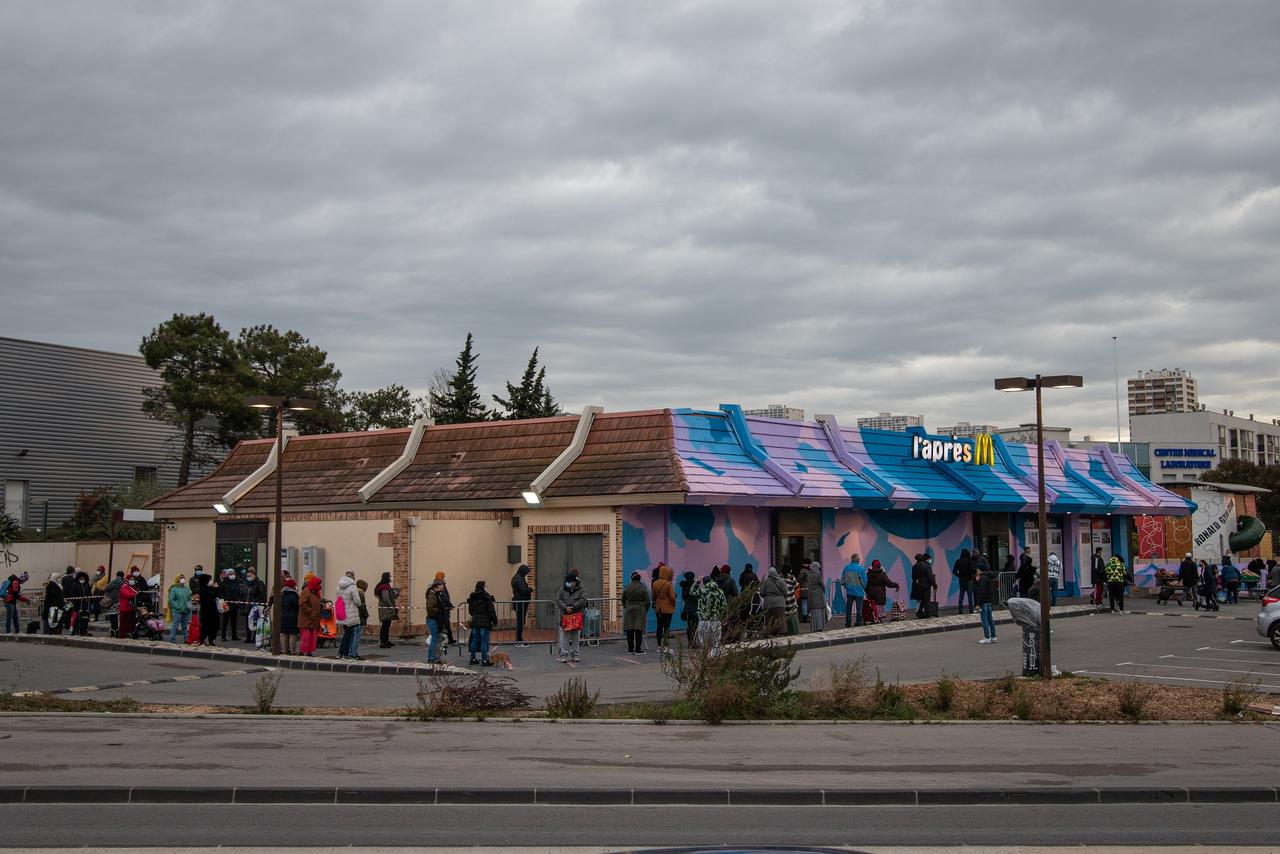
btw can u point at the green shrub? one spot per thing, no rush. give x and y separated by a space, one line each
1133 700
890 701
945 693
264 692
1237 696
572 700
1023 708
761 674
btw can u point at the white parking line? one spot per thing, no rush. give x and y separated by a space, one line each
1168 678
1234 660
1227 649
1204 669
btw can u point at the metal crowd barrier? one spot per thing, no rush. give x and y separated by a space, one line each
34 610
533 622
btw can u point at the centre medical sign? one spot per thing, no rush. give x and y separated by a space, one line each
981 451
1185 458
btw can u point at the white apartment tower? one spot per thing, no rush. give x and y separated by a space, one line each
1157 392
777 410
889 421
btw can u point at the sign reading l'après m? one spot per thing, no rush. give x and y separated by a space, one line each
979 451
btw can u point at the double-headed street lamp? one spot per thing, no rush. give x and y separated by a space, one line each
1036 384
280 405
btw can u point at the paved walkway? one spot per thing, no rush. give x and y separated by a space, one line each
407 657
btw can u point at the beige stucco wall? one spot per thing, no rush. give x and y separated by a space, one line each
466 550
38 560
187 543
348 545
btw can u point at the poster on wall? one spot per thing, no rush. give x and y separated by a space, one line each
1212 524
1101 539
1053 529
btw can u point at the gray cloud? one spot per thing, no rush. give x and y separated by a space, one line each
844 206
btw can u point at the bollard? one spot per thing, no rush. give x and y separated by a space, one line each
1030 652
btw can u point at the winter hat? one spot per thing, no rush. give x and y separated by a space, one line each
313 584
290 583
479 586
362 585
439 576
635 576
875 564
386 578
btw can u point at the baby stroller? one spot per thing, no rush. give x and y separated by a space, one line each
328 625
148 626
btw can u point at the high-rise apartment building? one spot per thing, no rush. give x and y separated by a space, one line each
777 410
965 430
1156 392
889 421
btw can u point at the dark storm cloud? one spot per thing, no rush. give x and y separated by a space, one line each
844 206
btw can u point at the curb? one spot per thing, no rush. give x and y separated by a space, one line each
400 717
632 797
323 665
805 641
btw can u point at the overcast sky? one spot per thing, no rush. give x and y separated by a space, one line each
847 207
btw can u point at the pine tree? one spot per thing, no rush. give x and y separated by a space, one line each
460 402
531 398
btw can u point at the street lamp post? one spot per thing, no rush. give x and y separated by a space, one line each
279 404
1036 384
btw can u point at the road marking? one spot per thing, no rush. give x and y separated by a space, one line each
1234 660
1168 678
1205 669
1237 641
137 683
1124 664
1228 649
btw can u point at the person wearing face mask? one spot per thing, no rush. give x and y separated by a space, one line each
254 591
570 604
179 608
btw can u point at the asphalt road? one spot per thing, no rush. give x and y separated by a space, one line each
1172 645
52 750
627 827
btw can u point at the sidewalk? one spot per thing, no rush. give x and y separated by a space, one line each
964 758
407 657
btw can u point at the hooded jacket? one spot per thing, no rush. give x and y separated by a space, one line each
350 597
180 599
817 588
309 606
773 590
1116 571
922 580
571 600
482 609
636 602
878 584
664 592
386 596
290 608
964 568
988 586
520 589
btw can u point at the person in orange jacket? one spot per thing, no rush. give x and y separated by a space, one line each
664 604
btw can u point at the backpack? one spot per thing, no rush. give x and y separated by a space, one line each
4 587
339 608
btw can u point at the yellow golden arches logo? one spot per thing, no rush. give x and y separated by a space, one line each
984 450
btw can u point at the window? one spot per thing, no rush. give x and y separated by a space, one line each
144 474
16 495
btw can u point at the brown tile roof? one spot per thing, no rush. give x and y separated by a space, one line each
318 470
625 453
243 460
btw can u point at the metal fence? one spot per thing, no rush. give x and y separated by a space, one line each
536 621
33 611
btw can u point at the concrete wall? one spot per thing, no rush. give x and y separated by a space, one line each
188 543
40 559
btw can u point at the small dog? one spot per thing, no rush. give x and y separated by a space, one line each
501 659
